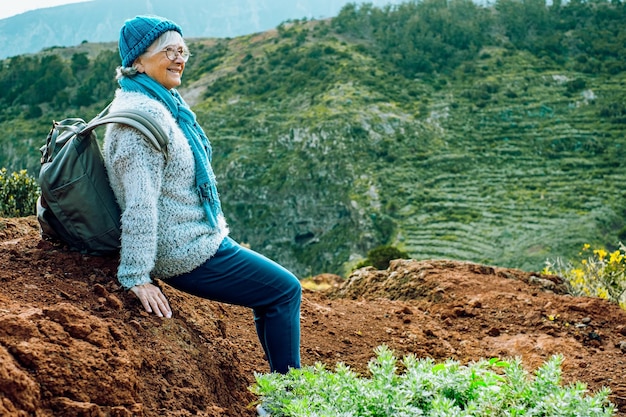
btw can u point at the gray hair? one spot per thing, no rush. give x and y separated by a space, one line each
168 38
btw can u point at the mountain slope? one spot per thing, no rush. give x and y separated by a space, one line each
525 173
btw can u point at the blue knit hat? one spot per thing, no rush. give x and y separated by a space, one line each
138 33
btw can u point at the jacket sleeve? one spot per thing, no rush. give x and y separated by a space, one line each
135 171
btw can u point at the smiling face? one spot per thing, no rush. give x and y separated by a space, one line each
155 63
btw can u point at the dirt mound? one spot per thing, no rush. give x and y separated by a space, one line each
73 343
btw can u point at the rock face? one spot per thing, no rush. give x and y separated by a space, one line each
72 343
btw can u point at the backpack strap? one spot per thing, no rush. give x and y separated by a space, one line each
138 119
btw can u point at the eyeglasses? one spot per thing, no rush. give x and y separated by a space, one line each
172 53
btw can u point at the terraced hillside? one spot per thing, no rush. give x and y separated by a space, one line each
529 171
507 161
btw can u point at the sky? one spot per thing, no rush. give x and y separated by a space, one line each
12 7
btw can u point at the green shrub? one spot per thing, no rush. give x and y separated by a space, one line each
485 388
380 257
18 194
576 85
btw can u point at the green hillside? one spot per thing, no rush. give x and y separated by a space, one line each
489 134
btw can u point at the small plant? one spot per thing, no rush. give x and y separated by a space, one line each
380 257
18 194
485 388
597 274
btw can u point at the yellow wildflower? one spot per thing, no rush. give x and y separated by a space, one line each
600 253
616 257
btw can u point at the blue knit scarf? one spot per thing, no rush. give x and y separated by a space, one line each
206 183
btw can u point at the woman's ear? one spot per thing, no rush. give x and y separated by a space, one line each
139 66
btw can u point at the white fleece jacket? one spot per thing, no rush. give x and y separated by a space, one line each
164 229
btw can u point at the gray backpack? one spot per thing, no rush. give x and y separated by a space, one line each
77 205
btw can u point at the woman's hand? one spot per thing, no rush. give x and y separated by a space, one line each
153 299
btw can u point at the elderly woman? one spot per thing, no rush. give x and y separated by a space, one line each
173 227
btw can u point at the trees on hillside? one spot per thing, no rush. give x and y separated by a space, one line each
419 37
436 36
415 37
57 82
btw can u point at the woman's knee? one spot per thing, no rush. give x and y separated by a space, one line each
295 287
292 289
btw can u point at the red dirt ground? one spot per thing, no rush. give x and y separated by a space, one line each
72 343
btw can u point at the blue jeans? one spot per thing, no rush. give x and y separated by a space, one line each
237 275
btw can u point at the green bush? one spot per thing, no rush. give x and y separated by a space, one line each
380 257
486 388
18 194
